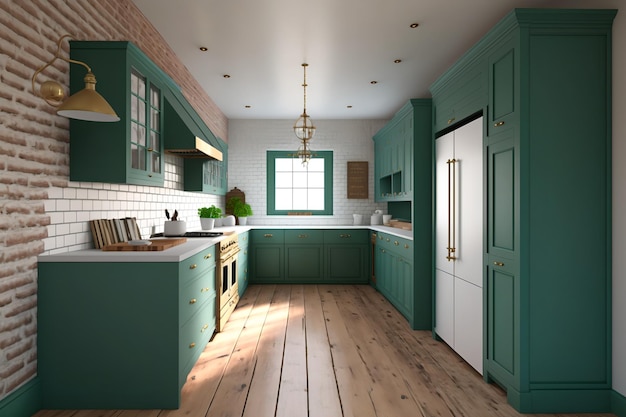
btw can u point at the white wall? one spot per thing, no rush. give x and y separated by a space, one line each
351 140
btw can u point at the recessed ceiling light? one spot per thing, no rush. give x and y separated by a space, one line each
248 106
414 25
204 48
374 82
397 61
348 106
226 76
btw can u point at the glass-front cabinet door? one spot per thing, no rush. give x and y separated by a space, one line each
145 127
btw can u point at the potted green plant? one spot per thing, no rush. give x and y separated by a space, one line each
242 211
208 216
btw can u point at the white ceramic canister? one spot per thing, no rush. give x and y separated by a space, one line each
174 228
357 219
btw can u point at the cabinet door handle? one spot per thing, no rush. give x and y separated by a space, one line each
406 246
498 124
207 256
268 235
302 236
192 301
395 242
387 240
346 236
451 209
451 120
192 345
193 266
498 263
206 326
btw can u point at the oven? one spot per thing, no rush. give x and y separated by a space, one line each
226 280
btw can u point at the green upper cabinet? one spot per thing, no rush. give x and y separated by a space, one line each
547 191
131 150
155 118
393 150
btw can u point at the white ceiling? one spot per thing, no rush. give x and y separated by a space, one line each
262 44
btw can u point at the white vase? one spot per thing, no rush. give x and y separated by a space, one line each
207 223
243 221
174 228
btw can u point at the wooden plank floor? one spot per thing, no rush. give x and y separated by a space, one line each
326 351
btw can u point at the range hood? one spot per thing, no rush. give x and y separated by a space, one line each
185 133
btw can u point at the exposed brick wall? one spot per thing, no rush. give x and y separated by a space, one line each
40 210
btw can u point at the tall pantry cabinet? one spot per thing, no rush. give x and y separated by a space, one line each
542 80
458 241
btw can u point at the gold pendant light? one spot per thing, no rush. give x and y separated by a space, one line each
86 104
304 128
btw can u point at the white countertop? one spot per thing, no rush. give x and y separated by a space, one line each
183 251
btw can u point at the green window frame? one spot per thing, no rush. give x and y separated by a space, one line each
272 191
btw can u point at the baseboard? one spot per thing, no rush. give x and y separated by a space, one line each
618 404
23 402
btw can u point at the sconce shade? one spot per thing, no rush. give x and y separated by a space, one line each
88 105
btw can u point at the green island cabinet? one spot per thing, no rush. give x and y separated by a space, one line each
542 80
403 172
155 118
311 256
122 335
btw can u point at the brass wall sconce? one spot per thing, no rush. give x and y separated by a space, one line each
87 104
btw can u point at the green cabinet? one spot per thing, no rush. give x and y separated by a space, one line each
243 267
347 256
206 175
267 256
547 185
394 272
311 256
304 255
122 335
394 152
129 151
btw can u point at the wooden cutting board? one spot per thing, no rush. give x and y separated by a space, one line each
157 244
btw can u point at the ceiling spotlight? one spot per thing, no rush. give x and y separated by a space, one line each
248 106
226 76
348 107
414 25
397 61
373 82
204 48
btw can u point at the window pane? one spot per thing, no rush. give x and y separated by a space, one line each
141 87
283 199
283 180
154 97
141 112
300 179
154 141
316 180
316 199
316 164
300 199
283 164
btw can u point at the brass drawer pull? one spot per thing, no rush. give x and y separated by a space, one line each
192 345
498 124
451 120
387 240
193 266
406 246
268 235
498 263
192 301
345 236
208 256
206 326
395 242
205 289
302 236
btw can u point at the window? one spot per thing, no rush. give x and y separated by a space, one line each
294 188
